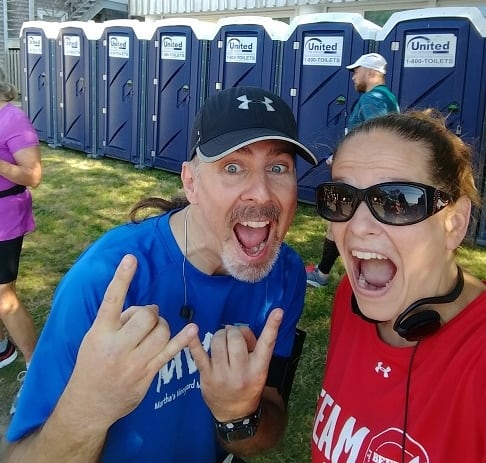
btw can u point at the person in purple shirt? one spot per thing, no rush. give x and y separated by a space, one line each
20 167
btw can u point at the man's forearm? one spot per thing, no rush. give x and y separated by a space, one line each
69 435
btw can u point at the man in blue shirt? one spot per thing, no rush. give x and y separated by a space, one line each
182 355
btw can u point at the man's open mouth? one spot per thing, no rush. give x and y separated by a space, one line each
252 235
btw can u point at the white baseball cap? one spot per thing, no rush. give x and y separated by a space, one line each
370 61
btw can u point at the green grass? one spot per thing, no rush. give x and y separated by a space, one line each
80 198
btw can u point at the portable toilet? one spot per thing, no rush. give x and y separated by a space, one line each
38 77
77 84
177 76
122 89
437 59
246 50
318 87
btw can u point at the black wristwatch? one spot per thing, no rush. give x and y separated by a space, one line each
242 428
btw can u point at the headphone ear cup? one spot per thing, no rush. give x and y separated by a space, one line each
419 325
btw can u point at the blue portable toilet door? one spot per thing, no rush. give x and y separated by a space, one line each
119 84
439 62
429 69
174 93
73 66
36 60
317 86
242 55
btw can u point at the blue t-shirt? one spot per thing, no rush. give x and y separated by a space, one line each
172 423
378 101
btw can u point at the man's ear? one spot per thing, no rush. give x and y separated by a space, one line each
188 177
457 221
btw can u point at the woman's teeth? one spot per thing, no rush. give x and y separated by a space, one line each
366 255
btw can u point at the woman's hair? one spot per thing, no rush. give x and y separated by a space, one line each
7 91
450 160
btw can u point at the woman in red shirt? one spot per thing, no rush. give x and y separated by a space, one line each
405 377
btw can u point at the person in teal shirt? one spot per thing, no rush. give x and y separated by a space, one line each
376 99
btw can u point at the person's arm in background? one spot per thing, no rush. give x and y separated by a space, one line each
116 363
27 171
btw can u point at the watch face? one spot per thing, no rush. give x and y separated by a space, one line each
240 434
243 428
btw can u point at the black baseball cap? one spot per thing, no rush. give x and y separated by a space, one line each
238 116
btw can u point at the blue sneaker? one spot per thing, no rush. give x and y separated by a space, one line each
315 279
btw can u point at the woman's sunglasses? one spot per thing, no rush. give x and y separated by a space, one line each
391 203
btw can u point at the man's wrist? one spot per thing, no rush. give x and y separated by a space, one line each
239 429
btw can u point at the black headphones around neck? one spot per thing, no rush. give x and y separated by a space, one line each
424 322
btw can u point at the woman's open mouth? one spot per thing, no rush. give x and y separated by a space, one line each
374 271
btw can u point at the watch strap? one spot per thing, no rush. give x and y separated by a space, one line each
239 429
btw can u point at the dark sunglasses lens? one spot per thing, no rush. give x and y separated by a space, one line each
398 204
336 202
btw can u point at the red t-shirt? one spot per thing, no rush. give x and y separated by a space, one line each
361 408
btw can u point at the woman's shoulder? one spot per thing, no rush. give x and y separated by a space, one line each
14 117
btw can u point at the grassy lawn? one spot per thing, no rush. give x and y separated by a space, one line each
80 198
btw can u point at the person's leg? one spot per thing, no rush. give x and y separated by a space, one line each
320 275
330 253
17 320
3 337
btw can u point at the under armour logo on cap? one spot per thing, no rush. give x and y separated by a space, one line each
238 116
245 103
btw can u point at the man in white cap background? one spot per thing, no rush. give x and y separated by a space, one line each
369 80
376 100
171 337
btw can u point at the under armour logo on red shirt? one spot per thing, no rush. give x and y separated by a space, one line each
385 370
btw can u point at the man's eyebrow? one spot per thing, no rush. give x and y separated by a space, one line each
243 149
279 147
284 148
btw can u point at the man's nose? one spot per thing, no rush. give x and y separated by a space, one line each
258 188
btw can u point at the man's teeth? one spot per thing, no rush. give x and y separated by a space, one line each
256 249
367 255
250 223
